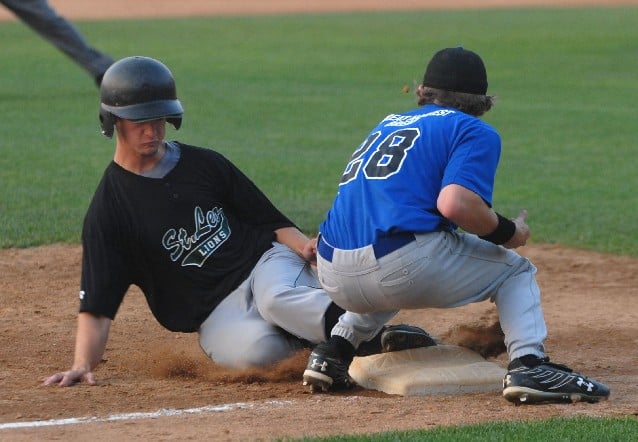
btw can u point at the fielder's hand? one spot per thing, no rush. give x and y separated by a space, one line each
522 233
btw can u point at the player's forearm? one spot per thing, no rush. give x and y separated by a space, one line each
90 342
293 238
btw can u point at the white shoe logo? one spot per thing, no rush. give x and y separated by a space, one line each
581 383
322 367
507 380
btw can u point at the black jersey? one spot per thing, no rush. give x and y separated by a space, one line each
187 240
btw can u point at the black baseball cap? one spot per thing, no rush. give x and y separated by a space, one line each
457 70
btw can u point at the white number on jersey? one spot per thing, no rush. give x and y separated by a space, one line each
387 155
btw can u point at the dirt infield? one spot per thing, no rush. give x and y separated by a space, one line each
158 385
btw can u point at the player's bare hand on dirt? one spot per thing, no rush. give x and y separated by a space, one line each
68 378
522 233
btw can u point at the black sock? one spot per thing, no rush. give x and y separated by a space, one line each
332 317
531 361
343 347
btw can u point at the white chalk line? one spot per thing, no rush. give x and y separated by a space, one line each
170 412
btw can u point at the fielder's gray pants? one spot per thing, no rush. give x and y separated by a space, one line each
438 270
44 20
269 316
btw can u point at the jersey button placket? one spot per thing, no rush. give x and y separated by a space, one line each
170 191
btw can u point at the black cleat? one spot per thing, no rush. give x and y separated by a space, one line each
396 338
327 370
404 337
549 382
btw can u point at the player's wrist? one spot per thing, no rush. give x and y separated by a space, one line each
504 231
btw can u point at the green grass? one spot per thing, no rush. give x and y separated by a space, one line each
288 98
559 429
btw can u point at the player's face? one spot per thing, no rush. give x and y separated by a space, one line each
143 139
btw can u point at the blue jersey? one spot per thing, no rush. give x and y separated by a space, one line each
393 179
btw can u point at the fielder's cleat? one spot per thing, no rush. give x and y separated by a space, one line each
404 337
545 381
326 370
396 338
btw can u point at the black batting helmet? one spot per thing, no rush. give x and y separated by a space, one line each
138 89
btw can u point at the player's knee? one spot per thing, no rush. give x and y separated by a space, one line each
264 351
267 351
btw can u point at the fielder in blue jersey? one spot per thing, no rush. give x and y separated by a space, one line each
391 240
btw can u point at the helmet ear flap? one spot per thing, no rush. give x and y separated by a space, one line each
107 122
176 122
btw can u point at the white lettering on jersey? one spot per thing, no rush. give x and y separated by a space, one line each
211 231
407 120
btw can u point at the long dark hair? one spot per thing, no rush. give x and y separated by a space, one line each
471 104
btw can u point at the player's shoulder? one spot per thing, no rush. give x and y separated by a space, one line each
198 160
466 121
199 151
199 154
105 201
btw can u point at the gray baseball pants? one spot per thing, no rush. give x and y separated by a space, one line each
436 270
277 310
44 20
